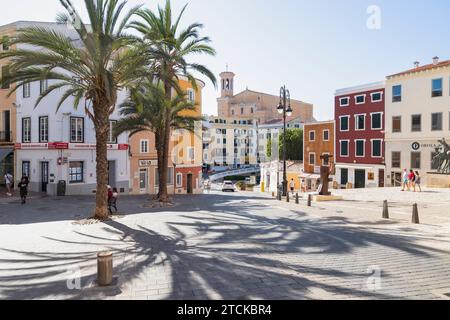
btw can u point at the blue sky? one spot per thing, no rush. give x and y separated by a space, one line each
314 47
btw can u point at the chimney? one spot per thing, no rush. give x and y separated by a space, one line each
416 64
435 60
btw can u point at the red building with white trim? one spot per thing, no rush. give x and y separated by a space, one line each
359 135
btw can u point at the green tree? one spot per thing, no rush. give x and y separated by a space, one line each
169 48
147 109
269 148
103 62
294 143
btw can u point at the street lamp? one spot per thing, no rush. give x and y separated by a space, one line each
284 108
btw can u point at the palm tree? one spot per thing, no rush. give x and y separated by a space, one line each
169 48
148 109
103 61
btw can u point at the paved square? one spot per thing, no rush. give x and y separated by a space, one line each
228 246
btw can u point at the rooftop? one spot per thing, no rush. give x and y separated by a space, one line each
426 67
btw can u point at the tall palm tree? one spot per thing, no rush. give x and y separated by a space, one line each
170 47
147 109
92 69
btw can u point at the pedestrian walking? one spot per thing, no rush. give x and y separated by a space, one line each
418 182
405 180
9 182
411 179
23 187
292 186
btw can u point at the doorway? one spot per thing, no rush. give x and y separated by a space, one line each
44 176
381 183
396 179
360 179
344 177
143 180
190 184
112 173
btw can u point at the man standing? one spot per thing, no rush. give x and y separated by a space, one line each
405 180
9 182
292 185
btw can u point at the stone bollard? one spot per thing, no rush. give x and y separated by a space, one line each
385 210
309 200
287 197
104 268
415 215
273 194
297 200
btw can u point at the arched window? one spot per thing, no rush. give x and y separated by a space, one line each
252 110
232 112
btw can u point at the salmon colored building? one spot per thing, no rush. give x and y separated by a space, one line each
185 162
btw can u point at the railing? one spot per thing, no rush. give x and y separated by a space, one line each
237 172
5 136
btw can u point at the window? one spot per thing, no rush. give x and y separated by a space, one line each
43 86
312 159
76 172
327 161
76 130
232 112
252 110
5 77
326 135
376 148
396 124
191 95
26 130
344 102
436 121
377 96
26 90
360 99
26 168
170 176
144 146
191 153
179 180
312 135
360 122
415 160
397 93
111 138
344 123
377 123
416 123
396 159
344 148
360 146
43 129
242 110
436 88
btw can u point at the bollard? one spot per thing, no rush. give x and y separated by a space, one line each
287 197
385 210
273 194
104 268
309 200
415 216
297 200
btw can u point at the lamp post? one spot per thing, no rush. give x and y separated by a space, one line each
284 108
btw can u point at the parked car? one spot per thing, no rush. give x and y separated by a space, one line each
228 186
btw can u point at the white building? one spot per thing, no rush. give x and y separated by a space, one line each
417 116
60 146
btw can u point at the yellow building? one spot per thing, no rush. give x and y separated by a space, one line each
7 110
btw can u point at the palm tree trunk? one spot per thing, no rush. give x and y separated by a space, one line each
101 197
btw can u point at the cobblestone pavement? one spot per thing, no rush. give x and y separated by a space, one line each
221 246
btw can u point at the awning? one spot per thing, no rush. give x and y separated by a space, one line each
309 176
5 152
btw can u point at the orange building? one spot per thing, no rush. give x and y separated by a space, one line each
185 162
318 140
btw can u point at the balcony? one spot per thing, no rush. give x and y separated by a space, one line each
5 136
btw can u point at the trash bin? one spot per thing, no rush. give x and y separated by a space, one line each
61 189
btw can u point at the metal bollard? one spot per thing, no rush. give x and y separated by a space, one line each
309 200
415 216
273 194
287 197
104 268
297 200
385 210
